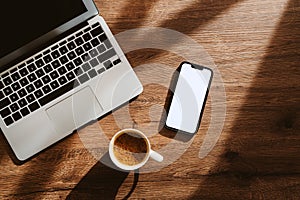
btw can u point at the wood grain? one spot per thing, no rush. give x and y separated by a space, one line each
255 45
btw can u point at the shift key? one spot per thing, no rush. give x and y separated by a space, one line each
107 55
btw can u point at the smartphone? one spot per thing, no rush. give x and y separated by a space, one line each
187 103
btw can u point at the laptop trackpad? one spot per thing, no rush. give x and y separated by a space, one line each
74 111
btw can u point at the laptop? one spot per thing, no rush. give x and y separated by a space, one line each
60 68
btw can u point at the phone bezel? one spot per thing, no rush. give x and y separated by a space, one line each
172 90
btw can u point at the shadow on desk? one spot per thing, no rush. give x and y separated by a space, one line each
262 154
101 182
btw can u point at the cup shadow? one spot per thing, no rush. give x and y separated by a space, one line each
101 182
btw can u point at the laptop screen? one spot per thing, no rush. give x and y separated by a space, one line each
25 21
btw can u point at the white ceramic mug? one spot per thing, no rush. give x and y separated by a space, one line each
150 153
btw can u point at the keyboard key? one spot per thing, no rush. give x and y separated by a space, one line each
38 56
8 121
76 83
79 34
87 37
23 72
24 81
14 107
16 116
101 48
94 53
94 62
48 68
55 54
7 91
78 71
38 94
95 25
107 44
100 71
95 42
24 112
79 51
54 47
21 66
97 31
62 80
57 93
22 93
54 75
40 72
1 85
87 46
7 81
5 112
30 61
87 29
107 55
108 64
71 45
83 78
46 89
40 63
30 98
31 67
15 76
46 52
47 59
16 86
71 38
13 70
86 67
78 61
70 66
117 61
102 37
29 88
54 85
5 102
22 103
63 43
14 97
92 73
79 41
71 55
70 76
46 79
55 64
63 60
5 75
31 77
38 84
63 50
86 57
34 106
62 70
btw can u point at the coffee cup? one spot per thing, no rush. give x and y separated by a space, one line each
130 149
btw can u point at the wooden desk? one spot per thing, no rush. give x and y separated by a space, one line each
255 46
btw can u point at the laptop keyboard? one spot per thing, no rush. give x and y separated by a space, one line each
55 71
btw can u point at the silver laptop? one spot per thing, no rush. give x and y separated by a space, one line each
61 68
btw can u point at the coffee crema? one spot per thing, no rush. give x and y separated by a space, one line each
130 148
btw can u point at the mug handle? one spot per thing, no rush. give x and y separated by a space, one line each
156 156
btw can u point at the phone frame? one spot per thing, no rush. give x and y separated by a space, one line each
172 91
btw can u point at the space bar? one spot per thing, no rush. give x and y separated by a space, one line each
57 93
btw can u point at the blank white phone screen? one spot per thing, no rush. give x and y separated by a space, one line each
188 98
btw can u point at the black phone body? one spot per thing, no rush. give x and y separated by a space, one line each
189 95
